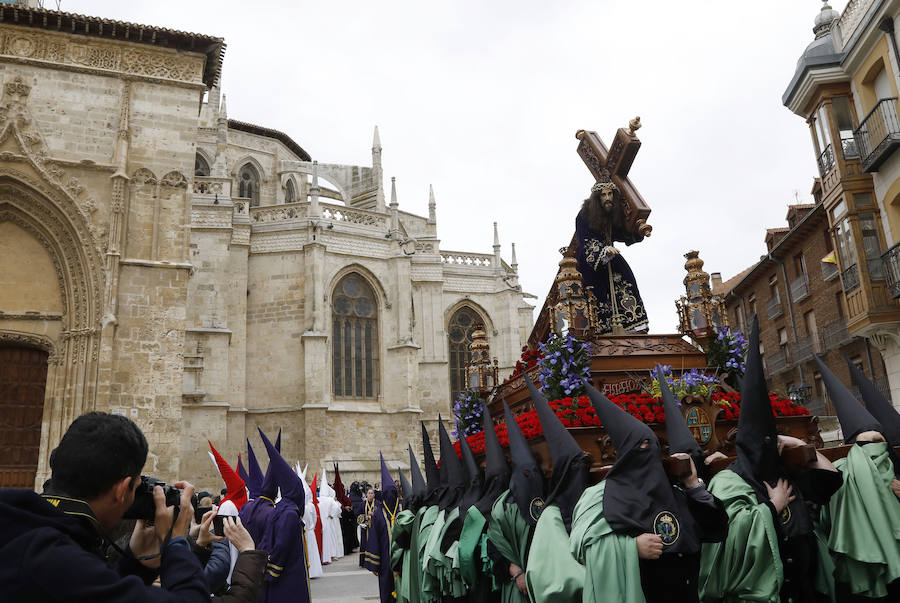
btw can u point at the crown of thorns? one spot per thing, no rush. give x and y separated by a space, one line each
604 187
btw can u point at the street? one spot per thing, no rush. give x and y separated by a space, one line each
345 582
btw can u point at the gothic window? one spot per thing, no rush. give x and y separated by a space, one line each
201 167
290 194
248 184
354 339
459 335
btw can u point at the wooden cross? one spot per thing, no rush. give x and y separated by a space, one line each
613 165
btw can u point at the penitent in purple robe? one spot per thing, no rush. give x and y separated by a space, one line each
287 579
255 516
378 553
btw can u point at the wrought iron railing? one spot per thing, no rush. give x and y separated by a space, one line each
849 148
806 347
779 361
892 269
826 161
878 134
850 278
800 288
774 307
835 334
829 271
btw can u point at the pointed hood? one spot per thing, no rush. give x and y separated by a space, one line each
853 416
325 490
340 493
432 473
571 464
416 497
278 441
526 483
283 476
237 490
758 460
496 470
389 494
474 478
254 484
269 487
456 479
241 471
638 491
678 433
314 488
307 493
882 410
405 488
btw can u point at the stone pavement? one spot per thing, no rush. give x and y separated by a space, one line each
345 582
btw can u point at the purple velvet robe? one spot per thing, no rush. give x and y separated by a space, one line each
378 553
287 577
255 517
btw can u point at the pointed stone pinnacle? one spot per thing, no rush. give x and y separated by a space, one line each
376 140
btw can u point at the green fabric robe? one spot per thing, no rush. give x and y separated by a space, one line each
406 525
612 558
428 593
431 575
509 532
747 566
862 522
441 563
559 577
475 565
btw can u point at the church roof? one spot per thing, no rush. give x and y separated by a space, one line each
98 27
270 133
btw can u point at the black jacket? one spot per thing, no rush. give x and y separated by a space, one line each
47 555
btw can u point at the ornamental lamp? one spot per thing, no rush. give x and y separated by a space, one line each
701 313
800 394
481 372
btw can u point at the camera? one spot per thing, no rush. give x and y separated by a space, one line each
144 507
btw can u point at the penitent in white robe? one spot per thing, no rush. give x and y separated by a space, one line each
330 508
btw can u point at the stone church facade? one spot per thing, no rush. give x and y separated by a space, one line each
205 276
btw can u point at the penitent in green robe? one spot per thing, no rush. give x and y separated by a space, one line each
509 532
555 576
406 528
612 558
431 585
747 566
427 518
862 522
440 564
475 566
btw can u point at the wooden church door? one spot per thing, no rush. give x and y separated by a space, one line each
23 378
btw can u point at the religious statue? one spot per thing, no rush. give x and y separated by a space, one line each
599 224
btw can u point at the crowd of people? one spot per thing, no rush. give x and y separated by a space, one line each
760 530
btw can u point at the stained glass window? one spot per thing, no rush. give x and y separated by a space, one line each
354 339
459 335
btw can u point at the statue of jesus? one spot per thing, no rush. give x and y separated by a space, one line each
599 224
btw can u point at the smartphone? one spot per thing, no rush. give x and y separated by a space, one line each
200 512
219 525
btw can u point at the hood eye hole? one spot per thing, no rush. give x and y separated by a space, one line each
645 444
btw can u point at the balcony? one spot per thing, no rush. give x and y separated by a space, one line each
800 288
835 334
779 361
826 161
850 278
892 270
774 308
806 347
849 148
830 271
878 135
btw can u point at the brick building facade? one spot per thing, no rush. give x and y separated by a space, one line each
796 292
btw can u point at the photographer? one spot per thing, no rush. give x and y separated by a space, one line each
52 545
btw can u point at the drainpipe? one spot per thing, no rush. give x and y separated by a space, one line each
787 290
887 26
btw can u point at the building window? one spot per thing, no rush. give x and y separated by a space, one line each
844 116
290 194
773 289
844 238
872 246
751 302
858 363
201 167
799 265
354 339
783 340
248 184
459 335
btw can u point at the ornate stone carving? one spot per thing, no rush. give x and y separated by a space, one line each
31 340
102 56
174 179
143 176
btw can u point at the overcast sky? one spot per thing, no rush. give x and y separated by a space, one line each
482 99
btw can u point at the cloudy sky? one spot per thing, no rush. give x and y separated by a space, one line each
482 99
